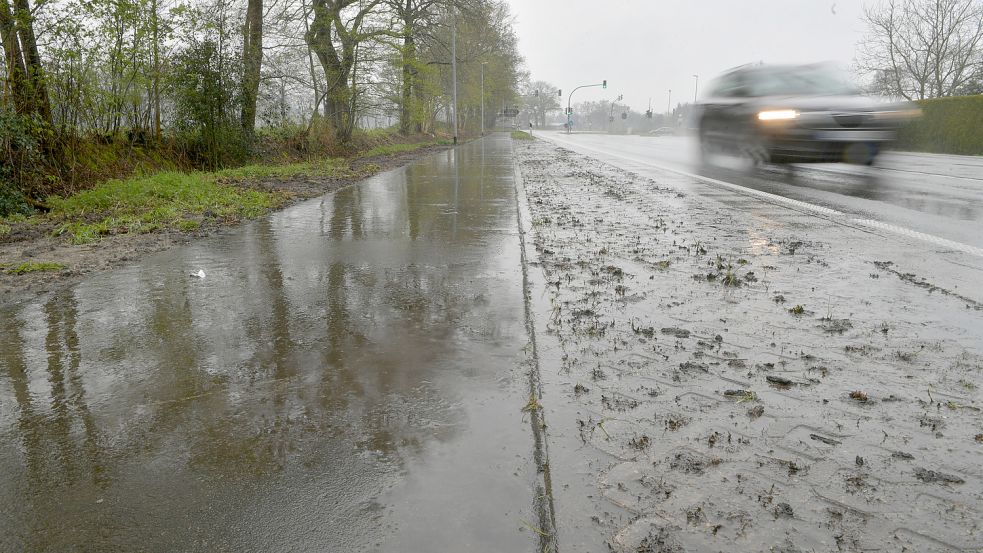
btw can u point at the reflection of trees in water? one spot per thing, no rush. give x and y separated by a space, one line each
252 436
476 199
67 390
58 437
390 335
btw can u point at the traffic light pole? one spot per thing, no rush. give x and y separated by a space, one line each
569 111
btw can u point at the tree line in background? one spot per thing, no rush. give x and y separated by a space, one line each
209 83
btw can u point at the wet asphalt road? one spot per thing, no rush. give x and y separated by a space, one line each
349 376
938 195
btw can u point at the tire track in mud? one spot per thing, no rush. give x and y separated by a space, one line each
543 499
734 377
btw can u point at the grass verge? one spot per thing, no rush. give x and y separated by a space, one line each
181 201
34 267
399 148
521 135
168 200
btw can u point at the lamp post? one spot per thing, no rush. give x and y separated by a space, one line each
483 64
696 87
669 103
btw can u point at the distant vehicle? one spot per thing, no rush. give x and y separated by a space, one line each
795 114
662 131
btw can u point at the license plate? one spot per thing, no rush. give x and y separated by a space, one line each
855 136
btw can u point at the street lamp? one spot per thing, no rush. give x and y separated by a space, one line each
696 87
483 64
669 103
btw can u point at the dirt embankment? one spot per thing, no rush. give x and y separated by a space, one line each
33 260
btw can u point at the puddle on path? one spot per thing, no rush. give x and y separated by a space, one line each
346 377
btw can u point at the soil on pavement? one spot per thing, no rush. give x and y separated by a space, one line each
722 374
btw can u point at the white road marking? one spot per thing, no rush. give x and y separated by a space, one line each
788 202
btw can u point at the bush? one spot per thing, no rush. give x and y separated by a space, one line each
12 201
21 162
207 107
947 126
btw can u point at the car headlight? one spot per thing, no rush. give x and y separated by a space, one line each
777 115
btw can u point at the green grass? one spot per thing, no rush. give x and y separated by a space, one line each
332 167
521 135
34 267
390 149
181 201
947 125
164 200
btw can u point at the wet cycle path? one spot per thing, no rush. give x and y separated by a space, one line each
349 376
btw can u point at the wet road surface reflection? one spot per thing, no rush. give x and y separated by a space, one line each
347 377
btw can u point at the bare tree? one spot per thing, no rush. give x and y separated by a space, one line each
334 37
542 99
923 48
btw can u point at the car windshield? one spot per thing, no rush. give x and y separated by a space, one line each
797 81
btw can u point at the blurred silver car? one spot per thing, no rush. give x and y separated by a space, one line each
795 114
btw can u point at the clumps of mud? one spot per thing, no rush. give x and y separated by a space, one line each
691 462
647 283
660 540
935 477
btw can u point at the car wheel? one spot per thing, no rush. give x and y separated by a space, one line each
706 146
861 153
752 148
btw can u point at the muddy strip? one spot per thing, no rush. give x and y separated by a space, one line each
723 374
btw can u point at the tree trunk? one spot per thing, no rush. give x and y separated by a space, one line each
406 96
14 58
337 66
252 62
32 60
155 87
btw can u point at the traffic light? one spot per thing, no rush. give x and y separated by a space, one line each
559 92
604 83
648 114
624 115
537 92
611 119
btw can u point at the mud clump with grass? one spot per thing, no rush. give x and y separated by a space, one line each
788 430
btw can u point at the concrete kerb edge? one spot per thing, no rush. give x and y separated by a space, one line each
543 503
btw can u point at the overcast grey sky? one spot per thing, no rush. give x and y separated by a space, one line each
645 47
